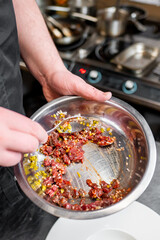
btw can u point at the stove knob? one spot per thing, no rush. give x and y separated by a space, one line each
94 76
129 87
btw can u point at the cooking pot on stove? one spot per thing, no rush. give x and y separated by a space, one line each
107 22
82 6
109 25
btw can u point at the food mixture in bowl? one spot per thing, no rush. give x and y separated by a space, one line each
91 170
65 148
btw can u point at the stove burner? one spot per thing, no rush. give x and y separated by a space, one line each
110 49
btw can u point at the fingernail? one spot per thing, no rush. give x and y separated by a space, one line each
108 95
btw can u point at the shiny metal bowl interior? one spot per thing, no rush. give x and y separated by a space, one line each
131 159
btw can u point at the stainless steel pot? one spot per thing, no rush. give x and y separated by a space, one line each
107 23
82 6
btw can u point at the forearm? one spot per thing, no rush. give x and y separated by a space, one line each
43 60
36 46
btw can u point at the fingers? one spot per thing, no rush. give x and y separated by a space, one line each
10 158
23 124
91 93
20 142
18 134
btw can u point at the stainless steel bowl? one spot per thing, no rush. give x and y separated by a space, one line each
131 159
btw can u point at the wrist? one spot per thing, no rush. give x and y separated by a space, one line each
45 75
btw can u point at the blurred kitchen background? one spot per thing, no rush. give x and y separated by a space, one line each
114 45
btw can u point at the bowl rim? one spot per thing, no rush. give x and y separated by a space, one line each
143 184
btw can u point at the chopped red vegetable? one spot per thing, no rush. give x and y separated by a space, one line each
67 148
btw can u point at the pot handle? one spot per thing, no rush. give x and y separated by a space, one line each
138 25
57 8
84 16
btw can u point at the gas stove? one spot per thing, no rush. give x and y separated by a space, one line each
96 68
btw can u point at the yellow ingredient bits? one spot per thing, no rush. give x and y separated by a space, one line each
43 187
33 158
102 129
35 167
113 197
30 179
26 155
43 173
79 175
60 131
35 185
69 126
26 170
65 129
61 115
62 190
37 174
54 115
95 122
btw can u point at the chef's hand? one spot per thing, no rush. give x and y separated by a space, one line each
65 83
18 134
